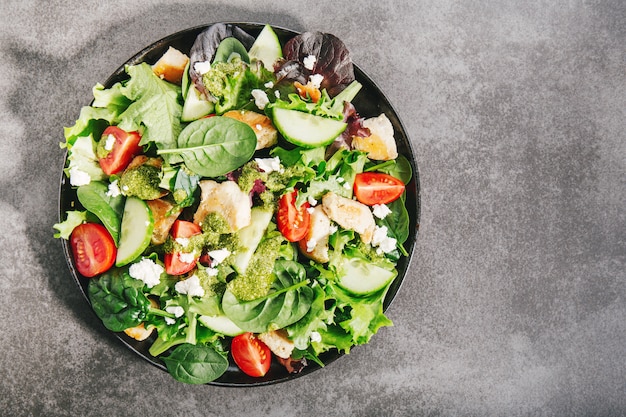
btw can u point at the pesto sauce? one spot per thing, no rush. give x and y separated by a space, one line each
257 281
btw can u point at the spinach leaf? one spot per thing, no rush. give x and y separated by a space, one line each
195 364
228 47
399 168
185 185
109 210
118 299
289 301
398 221
214 146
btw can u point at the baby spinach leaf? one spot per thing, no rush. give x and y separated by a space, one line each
228 47
397 221
289 300
214 146
118 300
195 364
108 209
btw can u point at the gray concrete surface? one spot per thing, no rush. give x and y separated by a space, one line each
515 302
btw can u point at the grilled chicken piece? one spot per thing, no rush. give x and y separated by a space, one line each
226 199
278 343
315 243
165 214
380 145
350 214
266 133
171 66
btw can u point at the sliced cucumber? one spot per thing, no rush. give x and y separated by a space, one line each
304 129
221 324
195 105
250 236
266 48
184 86
363 278
136 230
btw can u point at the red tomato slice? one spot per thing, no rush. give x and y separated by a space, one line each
377 188
125 148
292 222
176 262
251 355
93 249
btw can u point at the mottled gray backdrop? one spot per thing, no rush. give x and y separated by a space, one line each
515 301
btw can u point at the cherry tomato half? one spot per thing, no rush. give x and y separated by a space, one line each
251 355
176 262
292 222
93 249
377 188
125 148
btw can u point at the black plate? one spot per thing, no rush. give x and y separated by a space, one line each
369 102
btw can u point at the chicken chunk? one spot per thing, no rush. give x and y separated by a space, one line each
278 343
350 214
226 199
315 243
266 133
164 214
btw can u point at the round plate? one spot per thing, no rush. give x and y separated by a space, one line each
369 102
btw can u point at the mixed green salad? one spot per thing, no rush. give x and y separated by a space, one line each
232 202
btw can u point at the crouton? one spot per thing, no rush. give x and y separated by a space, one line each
380 145
278 343
171 66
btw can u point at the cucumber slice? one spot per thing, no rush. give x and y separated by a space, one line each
266 48
362 278
136 231
305 129
250 236
184 86
221 324
195 105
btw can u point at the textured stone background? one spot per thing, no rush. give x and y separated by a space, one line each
515 302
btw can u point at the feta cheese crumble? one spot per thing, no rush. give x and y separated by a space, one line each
79 177
309 62
312 201
202 67
147 271
114 189
260 98
177 311
269 164
110 141
268 84
217 256
316 337
182 241
310 245
381 241
380 210
187 257
316 80
191 286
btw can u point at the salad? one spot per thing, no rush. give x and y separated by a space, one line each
233 203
